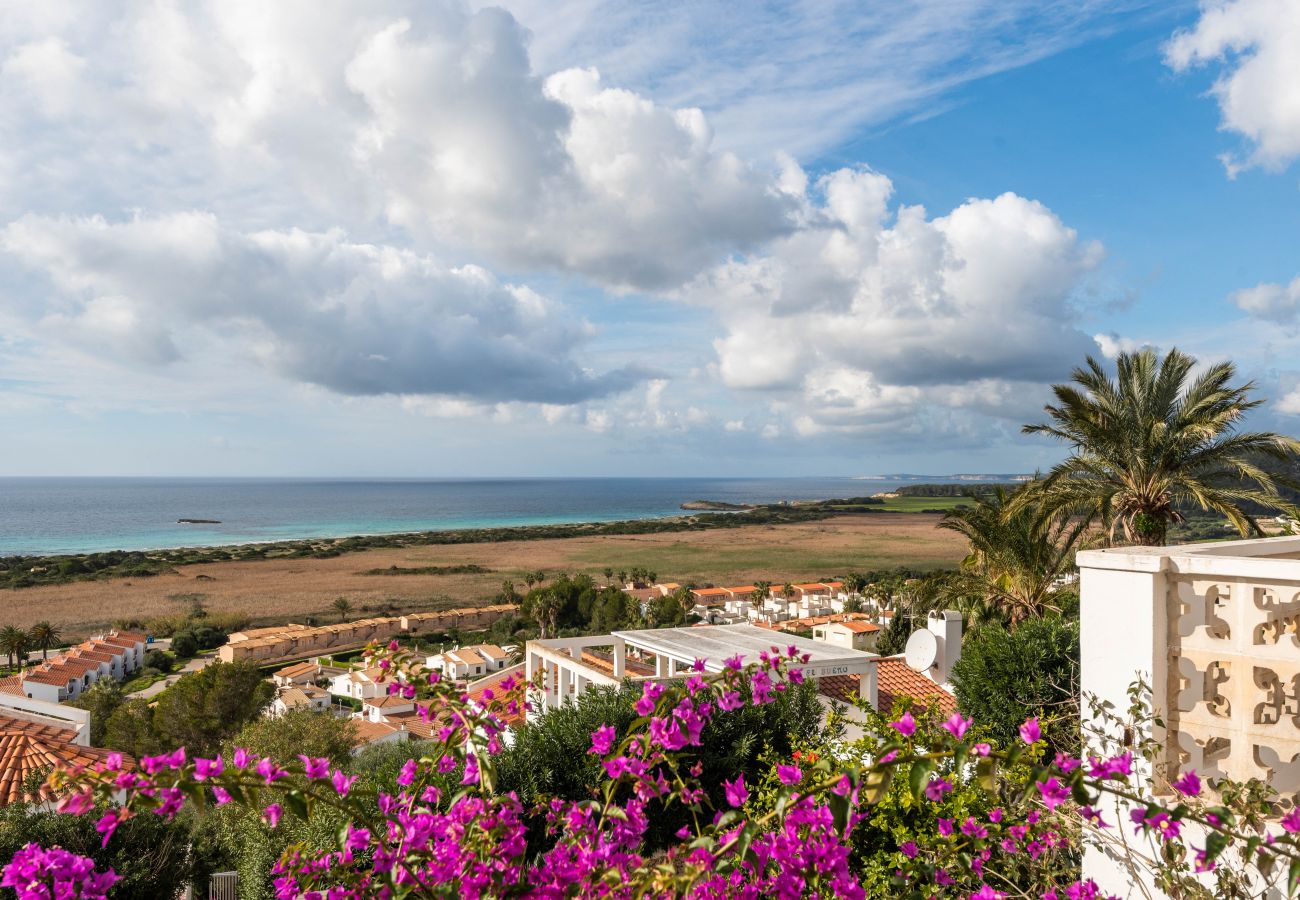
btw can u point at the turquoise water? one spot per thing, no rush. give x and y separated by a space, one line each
84 515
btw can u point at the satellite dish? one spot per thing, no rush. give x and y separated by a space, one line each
922 650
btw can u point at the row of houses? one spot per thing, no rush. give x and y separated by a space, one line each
114 655
289 642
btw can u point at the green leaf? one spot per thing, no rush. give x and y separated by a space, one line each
985 770
921 768
876 785
1292 877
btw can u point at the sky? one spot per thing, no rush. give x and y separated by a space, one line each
626 237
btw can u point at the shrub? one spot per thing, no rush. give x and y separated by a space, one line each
159 661
1003 676
185 645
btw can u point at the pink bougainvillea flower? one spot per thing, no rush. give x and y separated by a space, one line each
936 788
789 774
602 739
736 791
957 726
1030 733
1291 821
1053 792
906 726
272 814
1189 785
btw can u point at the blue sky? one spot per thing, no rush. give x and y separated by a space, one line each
601 237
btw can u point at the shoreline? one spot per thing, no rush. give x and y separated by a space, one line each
276 587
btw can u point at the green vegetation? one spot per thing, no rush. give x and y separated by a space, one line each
1155 441
1004 676
549 758
151 854
467 569
199 712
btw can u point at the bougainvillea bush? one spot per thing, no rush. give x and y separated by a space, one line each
922 809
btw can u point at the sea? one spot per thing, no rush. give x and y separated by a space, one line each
42 516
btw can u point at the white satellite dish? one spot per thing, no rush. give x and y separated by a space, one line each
922 650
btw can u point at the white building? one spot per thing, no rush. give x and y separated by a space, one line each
854 634
65 676
305 696
1213 628
567 669
360 684
467 663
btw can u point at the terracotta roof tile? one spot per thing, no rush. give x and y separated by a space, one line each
368 732
26 747
895 679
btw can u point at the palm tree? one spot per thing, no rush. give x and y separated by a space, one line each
1015 561
12 641
762 590
342 607
44 635
1154 440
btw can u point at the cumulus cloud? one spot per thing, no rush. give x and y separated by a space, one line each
354 318
1259 90
868 313
428 117
1278 303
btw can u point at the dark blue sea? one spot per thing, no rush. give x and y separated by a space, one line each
83 515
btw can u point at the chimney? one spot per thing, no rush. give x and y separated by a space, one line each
946 627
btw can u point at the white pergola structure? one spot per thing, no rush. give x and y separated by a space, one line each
567 667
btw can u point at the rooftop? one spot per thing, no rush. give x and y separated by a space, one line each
716 643
27 747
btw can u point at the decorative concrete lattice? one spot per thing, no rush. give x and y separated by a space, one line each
1233 703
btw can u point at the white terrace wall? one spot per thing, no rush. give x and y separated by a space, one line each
1215 629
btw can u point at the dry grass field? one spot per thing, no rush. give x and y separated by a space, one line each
284 590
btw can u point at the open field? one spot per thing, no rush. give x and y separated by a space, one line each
277 590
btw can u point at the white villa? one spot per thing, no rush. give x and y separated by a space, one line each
468 663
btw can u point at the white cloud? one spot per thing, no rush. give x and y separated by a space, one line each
803 77
1112 345
355 318
427 117
869 316
1278 303
1257 42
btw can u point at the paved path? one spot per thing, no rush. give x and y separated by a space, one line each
153 690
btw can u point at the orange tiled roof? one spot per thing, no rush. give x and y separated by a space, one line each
708 592
26 747
48 676
744 589
387 701
857 627
130 636
75 665
293 671
894 679
475 692
368 732
96 655
12 685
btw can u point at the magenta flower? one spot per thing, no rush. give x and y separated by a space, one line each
957 726
602 739
1189 785
1054 793
1291 821
107 824
906 726
272 814
909 850
342 783
789 774
318 768
650 693
736 791
1030 733
936 788
208 768
406 777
